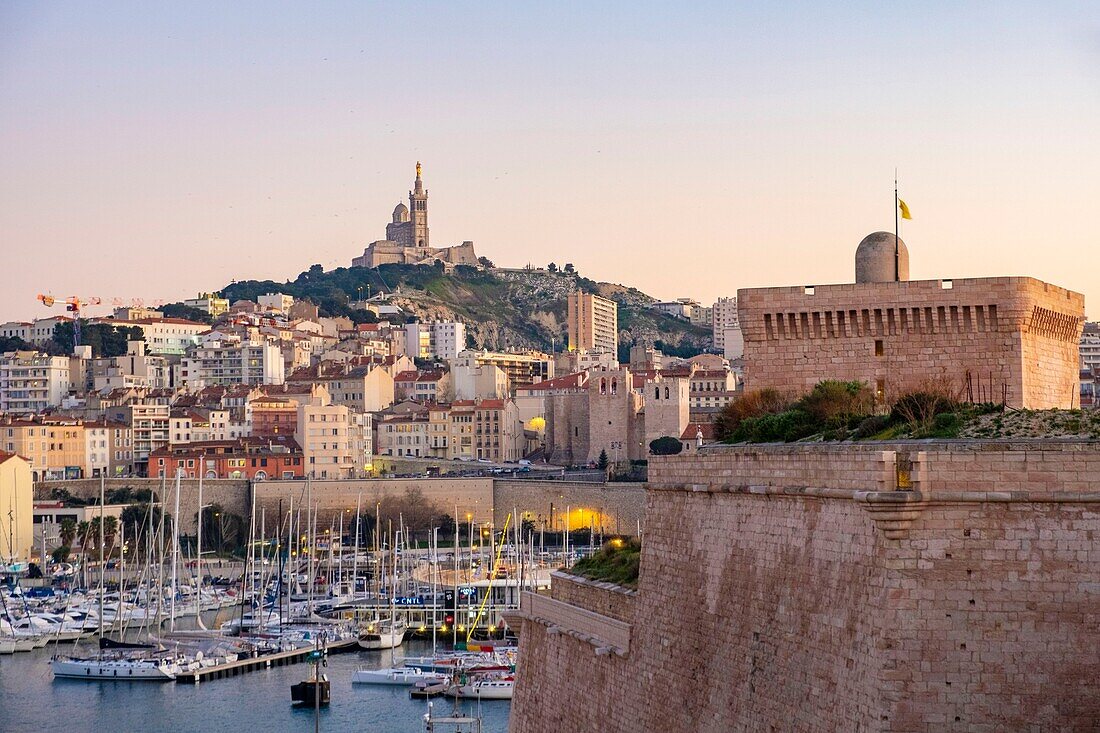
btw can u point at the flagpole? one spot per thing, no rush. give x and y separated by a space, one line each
897 254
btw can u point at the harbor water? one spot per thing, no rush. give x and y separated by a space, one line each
32 701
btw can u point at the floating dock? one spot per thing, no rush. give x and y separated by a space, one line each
263 661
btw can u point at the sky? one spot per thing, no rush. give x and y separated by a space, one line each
154 150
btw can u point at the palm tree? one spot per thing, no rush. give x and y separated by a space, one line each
84 534
68 532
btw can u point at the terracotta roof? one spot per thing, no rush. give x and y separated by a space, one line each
568 381
691 432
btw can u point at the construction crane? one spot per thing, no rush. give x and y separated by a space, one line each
75 304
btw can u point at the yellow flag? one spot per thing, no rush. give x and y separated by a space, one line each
904 210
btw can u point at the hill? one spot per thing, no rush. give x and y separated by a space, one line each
502 308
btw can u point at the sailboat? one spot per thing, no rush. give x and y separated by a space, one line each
389 634
115 665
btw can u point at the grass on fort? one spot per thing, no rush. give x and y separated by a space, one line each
616 562
839 411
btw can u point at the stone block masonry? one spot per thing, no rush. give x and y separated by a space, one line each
1013 338
794 588
619 506
233 495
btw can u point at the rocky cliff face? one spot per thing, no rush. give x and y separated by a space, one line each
501 308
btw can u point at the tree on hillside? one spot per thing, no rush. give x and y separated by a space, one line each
485 262
105 339
14 343
552 267
665 446
186 312
569 268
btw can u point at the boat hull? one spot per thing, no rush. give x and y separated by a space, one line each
404 677
117 671
486 691
383 640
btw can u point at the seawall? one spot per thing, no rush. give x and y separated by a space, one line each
903 587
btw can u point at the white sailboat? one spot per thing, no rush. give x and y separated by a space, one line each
382 635
398 676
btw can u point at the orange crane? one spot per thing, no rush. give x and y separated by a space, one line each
74 304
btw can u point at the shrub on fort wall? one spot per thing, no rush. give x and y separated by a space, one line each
616 562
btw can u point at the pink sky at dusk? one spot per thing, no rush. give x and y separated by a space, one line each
155 152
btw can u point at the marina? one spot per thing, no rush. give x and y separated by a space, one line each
259 700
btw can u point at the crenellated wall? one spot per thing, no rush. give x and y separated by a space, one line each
794 588
1011 338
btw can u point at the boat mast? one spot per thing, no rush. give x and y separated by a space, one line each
102 566
198 549
312 543
175 552
355 558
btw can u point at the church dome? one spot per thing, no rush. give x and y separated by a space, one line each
875 259
400 213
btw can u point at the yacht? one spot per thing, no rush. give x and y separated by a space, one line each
156 669
382 635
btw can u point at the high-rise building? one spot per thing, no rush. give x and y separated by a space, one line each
726 329
438 339
593 323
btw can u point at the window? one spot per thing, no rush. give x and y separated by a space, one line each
879 347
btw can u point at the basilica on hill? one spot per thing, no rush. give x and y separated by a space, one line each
407 238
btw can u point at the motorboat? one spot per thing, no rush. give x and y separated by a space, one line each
399 676
487 688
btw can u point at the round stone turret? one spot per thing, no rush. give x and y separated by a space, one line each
875 262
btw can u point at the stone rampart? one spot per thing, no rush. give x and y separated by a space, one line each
619 507
606 599
473 496
231 494
795 588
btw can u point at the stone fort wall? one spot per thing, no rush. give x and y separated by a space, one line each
1013 337
231 494
793 588
617 507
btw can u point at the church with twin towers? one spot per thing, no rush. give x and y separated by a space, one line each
408 240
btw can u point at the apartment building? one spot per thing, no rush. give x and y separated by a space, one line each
521 369
726 328
323 433
54 449
362 388
136 368
109 449
593 323
150 427
253 458
32 382
209 303
232 361
435 340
